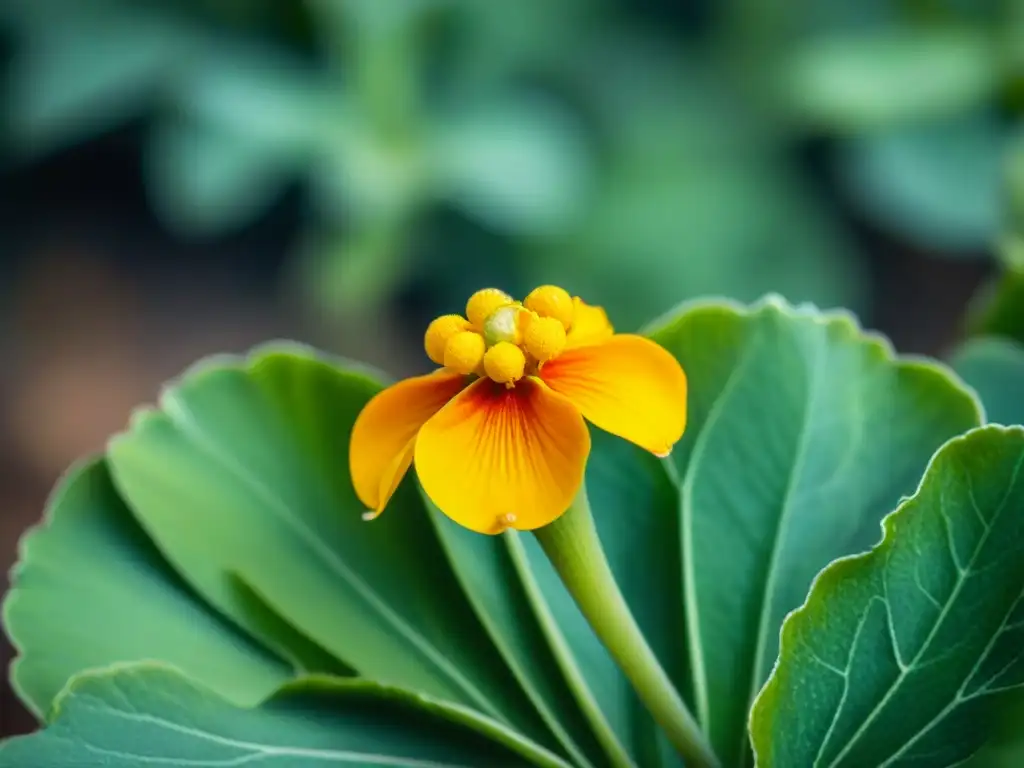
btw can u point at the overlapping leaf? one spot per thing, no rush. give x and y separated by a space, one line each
263 444
90 590
803 433
899 656
146 715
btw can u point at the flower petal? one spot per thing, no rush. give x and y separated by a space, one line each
497 458
381 446
628 386
590 325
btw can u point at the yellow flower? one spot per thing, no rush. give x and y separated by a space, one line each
499 440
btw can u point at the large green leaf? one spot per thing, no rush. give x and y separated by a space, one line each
995 368
90 589
263 443
803 433
136 715
899 656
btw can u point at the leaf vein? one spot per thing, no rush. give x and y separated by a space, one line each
931 635
183 418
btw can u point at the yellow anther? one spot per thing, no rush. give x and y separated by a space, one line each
438 334
544 338
504 324
504 363
464 352
551 301
483 304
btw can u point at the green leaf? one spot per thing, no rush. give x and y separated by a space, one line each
304 655
995 368
899 656
128 716
937 184
877 79
90 589
803 432
264 445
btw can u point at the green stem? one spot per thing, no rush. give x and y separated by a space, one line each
574 549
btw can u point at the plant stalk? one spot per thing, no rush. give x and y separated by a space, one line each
574 549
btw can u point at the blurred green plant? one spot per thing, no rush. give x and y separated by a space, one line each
991 358
598 152
593 150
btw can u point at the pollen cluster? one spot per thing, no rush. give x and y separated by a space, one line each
502 338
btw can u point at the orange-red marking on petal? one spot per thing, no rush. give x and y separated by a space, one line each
497 458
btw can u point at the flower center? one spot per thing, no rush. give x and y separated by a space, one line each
503 339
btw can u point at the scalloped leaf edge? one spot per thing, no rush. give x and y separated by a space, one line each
664 324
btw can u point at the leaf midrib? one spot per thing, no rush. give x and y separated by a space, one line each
182 417
563 654
700 675
959 699
690 602
795 473
961 580
524 679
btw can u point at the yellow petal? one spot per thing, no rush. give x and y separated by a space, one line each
381 446
590 325
497 458
628 386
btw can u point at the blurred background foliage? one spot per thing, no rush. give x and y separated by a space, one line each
343 170
445 143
